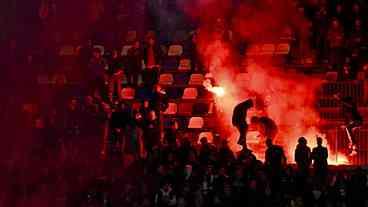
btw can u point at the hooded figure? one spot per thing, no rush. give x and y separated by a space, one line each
238 120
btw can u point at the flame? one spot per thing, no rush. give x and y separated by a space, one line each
217 90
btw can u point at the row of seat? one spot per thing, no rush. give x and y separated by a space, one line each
189 93
192 123
189 108
167 79
269 49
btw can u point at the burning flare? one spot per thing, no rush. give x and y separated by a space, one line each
217 90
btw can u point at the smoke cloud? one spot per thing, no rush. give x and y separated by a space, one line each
286 96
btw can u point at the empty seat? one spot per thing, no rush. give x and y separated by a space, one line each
184 65
208 135
128 93
101 48
125 49
268 49
331 76
172 109
67 50
190 93
185 109
196 123
175 50
283 49
196 79
166 79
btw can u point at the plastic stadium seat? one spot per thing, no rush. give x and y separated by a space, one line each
166 79
128 93
331 76
196 123
185 109
125 49
208 135
282 49
184 65
190 93
172 109
131 36
101 48
196 79
67 50
268 49
175 50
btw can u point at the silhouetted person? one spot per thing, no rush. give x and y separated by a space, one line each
239 120
266 126
319 157
274 161
225 155
353 119
303 156
134 63
152 56
206 151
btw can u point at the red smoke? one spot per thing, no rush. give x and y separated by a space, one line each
286 97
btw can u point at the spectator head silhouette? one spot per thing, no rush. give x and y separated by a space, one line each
319 141
302 141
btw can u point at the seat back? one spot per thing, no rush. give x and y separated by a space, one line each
282 49
67 50
184 65
125 49
185 109
196 123
166 79
175 50
190 93
101 48
128 93
172 109
196 79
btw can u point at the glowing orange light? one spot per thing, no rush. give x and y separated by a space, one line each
217 90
